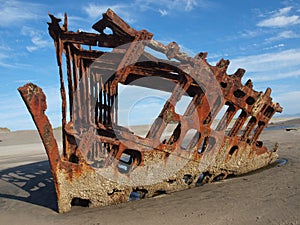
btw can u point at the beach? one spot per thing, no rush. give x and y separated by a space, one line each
268 196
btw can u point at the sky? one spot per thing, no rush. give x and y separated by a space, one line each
262 37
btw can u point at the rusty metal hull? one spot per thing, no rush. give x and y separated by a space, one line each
103 163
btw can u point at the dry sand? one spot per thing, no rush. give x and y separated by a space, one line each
267 196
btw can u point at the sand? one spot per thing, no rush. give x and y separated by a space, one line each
268 196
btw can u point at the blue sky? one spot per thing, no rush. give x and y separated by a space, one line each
261 36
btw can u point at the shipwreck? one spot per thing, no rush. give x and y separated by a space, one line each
102 162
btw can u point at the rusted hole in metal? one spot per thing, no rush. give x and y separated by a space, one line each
80 202
255 132
213 110
233 150
244 123
168 131
223 85
190 139
233 121
261 124
134 196
108 31
175 135
219 116
208 118
269 111
200 179
208 144
219 177
182 104
137 194
98 164
128 159
250 100
86 47
259 144
211 143
90 155
174 73
203 178
250 128
202 146
159 192
73 158
171 181
227 118
188 179
134 100
115 190
239 93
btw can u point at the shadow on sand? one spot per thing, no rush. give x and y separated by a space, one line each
35 179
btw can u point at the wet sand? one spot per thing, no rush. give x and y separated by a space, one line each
267 196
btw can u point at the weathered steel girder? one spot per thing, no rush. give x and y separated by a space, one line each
102 162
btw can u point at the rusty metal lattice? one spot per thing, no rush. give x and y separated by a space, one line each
102 162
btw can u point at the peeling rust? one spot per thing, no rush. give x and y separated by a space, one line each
102 162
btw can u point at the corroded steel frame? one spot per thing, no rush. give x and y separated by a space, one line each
91 168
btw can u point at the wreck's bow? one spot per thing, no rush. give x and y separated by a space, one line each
102 162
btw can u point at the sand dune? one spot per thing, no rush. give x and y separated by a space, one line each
268 196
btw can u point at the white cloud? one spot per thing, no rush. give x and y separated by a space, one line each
38 42
6 56
269 66
284 11
275 46
3 58
12 12
251 33
127 11
37 38
94 11
287 34
284 35
179 5
190 5
280 19
163 12
5 48
24 81
276 75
